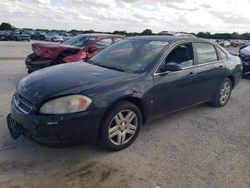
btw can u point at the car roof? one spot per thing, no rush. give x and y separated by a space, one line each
169 38
100 35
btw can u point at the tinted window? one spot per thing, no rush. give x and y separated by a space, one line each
222 54
206 53
103 43
183 55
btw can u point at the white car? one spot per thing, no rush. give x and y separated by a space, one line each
226 43
53 38
57 38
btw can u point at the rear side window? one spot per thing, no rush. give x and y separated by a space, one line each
205 53
103 43
222 54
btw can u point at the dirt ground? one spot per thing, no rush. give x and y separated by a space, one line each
198 147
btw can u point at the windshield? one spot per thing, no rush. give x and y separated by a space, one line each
79 41
129 55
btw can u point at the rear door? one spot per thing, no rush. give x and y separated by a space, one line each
210 71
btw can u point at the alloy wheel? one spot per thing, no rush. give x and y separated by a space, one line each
225 92
123 127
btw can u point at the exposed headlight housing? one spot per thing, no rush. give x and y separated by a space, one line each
66 105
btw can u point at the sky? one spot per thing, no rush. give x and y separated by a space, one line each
130 15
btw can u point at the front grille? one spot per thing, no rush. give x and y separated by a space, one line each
22 104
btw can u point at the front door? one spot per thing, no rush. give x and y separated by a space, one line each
174 90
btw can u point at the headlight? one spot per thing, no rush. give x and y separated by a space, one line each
66 105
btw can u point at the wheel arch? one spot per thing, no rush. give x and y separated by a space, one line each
134 100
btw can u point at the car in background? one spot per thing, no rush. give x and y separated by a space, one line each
245 57
19 36
244 46
53 37
79 48
4 35
177 34
220 42
58 38
122 87
67 36
41 35
226 43
237 43
35 35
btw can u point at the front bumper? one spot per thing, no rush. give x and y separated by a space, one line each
56 129
33 65
246 69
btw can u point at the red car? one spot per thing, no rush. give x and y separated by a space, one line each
79 48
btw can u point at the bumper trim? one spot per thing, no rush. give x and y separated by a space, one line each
15 129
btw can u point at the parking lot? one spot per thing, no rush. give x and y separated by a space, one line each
198 147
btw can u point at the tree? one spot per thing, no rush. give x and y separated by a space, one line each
147 32
120 32
204 35
6 26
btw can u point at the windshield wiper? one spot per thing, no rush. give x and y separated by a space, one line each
108 67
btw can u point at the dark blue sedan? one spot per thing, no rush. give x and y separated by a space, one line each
124 86
245 57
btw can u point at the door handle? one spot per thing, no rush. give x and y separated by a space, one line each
191 74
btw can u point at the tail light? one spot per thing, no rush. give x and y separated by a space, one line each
81 55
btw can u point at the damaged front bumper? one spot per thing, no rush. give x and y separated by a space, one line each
34 63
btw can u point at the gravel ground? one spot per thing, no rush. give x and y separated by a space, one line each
198 147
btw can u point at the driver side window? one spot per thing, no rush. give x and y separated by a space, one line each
182 55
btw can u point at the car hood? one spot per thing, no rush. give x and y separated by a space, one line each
66 79
245 51
50 50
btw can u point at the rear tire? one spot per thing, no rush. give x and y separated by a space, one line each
223 94
120 126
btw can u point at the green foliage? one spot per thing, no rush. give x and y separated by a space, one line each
6 26
226 36
147 32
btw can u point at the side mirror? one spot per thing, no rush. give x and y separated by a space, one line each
171 67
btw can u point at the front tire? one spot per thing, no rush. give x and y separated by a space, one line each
223 94
121 126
